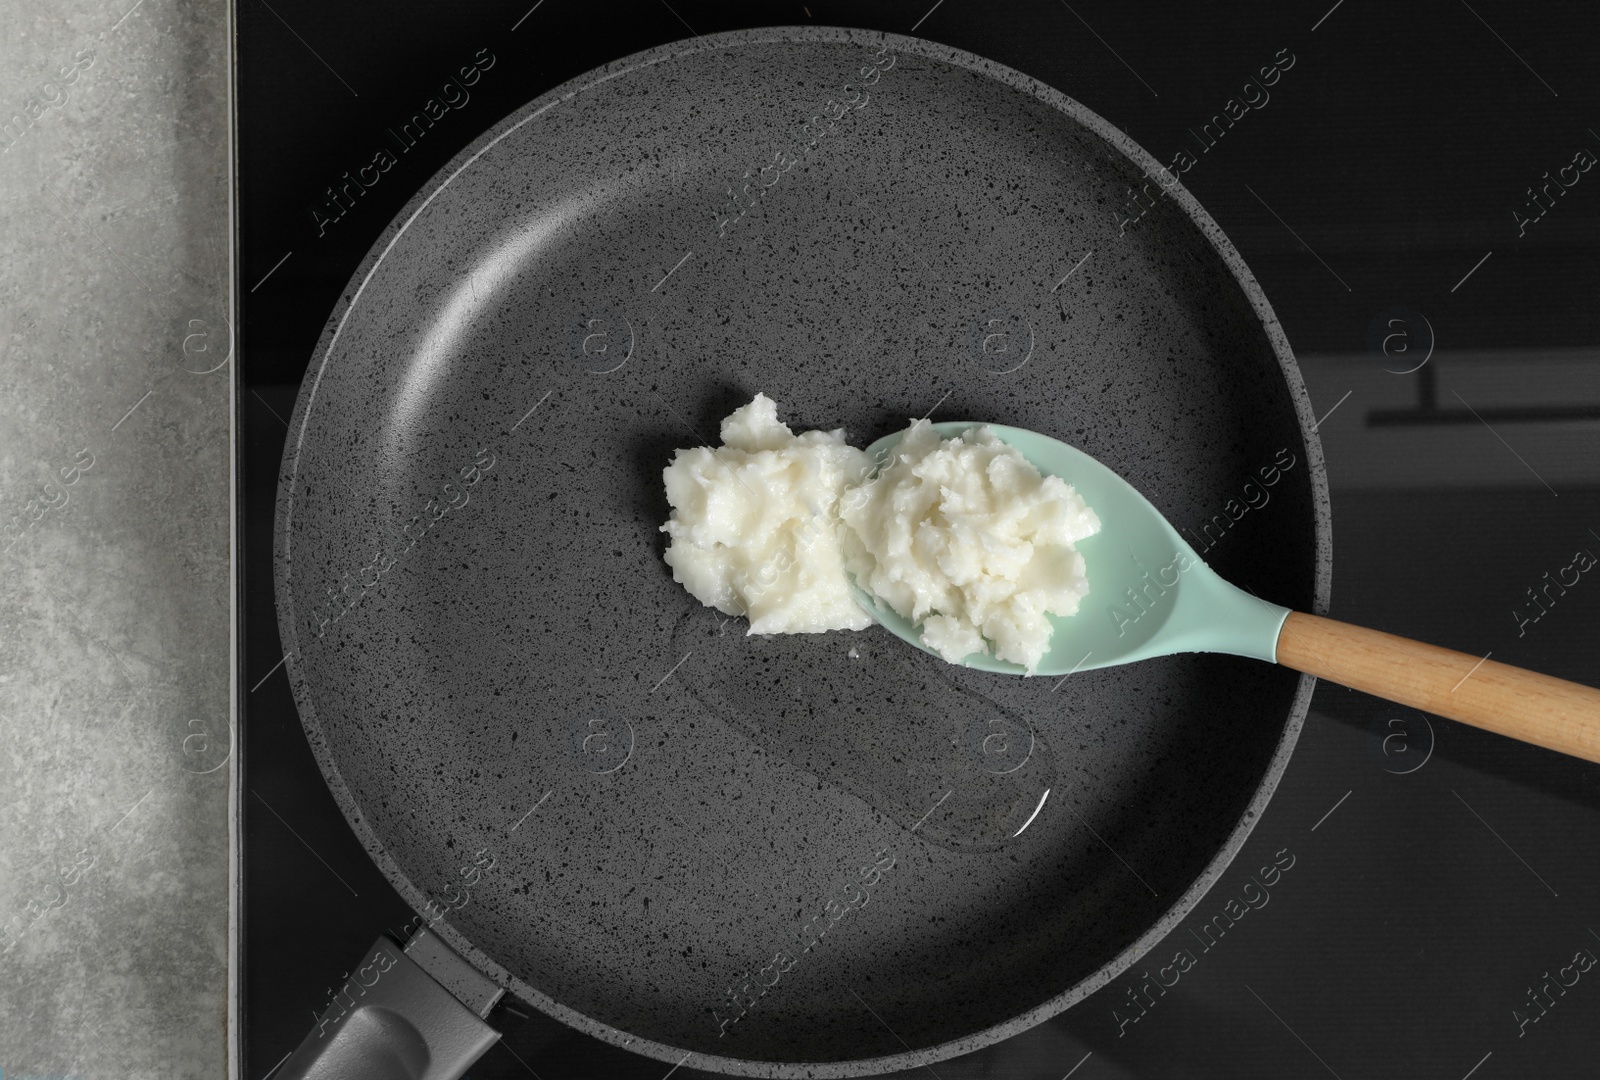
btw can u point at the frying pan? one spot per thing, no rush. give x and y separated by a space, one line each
821 855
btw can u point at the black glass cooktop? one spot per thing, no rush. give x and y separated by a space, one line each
1413 187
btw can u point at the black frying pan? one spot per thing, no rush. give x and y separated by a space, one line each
820 855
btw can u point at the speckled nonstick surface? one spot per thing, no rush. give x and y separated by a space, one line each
623 804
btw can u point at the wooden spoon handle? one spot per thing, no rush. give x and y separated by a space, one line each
1549 712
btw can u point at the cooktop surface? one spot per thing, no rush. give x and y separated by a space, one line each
1413 191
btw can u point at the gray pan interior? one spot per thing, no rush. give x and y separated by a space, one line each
625 806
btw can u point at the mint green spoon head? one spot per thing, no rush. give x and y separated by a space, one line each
1149 593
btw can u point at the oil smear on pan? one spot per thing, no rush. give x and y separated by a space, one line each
876 720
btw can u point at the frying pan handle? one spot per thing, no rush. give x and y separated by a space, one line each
1524 705
394 1021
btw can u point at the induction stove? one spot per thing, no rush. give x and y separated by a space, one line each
1411 187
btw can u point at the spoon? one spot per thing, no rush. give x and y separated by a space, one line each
1167 600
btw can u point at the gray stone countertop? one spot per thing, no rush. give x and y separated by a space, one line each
115 512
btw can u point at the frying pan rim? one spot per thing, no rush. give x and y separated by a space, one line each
350 296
